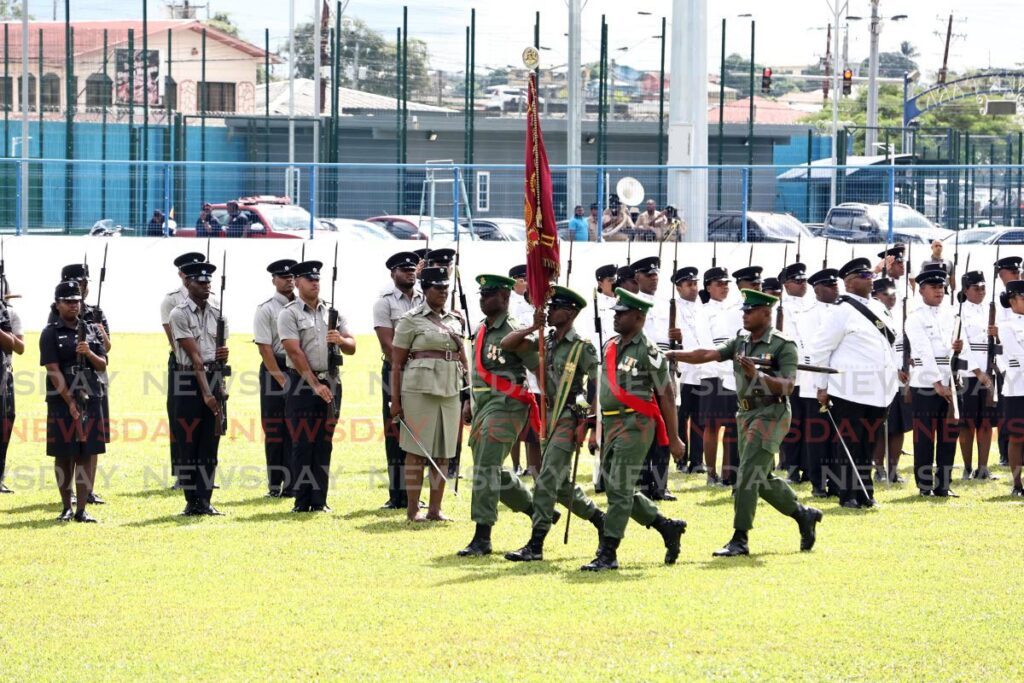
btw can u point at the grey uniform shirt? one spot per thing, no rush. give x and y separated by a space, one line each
171 301
189 321
264 325
392 305
309 327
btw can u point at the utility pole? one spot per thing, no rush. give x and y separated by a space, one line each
574 124
871 136
945 54
290 183
839 9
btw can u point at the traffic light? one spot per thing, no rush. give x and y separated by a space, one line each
766 80
847 81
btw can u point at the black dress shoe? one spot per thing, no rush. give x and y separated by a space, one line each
320 508
391 505
287 494
851 504
924 493
94 499
697 469
191 510
945 493
4 489
211 511
273 493
301 508
67 515
83 516
667 496
1017 492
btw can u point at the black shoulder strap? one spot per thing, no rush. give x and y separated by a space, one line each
872 318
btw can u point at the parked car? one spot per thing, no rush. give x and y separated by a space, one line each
349 228
498 229
988 235
412 227
727 226
269 217
505 98
869 223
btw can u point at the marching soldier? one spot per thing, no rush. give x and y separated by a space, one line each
815 431
1011 333
198 389
571 364
314 394
274 381
171 301
900 420
856 339
72 351
12 341
763 419
692 333
79 273
930 330
500 407
654 475
977 415
398 299
637 407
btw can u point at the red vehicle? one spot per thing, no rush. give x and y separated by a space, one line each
268 216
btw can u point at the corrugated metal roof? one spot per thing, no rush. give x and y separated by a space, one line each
349 99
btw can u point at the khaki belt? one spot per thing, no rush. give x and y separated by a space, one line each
760 402
434 355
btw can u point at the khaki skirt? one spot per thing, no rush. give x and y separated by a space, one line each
435 422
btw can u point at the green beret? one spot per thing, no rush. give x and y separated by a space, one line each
753 298
495 282
628 301
563 296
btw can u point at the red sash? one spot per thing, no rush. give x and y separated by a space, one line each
649 408
505 386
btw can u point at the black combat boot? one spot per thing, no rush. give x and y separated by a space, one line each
736 546
481 543
671 530
555 515
606 558
807 518
533 551
597 519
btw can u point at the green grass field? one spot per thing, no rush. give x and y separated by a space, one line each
919 589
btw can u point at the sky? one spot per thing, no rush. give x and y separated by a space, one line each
790 32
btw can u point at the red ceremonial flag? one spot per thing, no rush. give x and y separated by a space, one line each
542 262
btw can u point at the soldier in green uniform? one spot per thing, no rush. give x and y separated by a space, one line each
571 366
637 406
762 420
500 406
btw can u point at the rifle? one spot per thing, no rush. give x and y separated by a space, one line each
799 237
956 259
629 250
824 262
994 347
334 359
780 317
568 269
80 384
97 312
222 369
598 427
463 305
956 363
673 344
208 249
767 363
750 260
907 394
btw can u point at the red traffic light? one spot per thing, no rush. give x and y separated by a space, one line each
766 80
767 73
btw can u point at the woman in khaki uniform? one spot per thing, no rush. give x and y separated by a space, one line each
427 376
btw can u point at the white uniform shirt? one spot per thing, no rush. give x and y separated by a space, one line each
975 336
847 341
693 324
930 332
607 316
806 326
727 320
1011 333
656 322
522 312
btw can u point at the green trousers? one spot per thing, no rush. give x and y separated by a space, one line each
760 432
627 439
554 479
491 438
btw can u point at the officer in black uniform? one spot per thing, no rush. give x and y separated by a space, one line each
277 445
11 342
198 382
314 396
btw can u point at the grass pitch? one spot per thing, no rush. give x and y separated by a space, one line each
918 589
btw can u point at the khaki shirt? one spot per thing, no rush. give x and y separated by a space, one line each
653 223
392 305
171 301
421 330
298 321
641 366
264 325
773 346
188 321
616 231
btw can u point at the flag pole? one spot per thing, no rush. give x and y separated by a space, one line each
543 299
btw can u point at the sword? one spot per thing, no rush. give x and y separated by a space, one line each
426 453
846 450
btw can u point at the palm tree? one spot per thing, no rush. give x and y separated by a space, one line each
908 50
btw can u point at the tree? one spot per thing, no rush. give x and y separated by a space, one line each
11 10
222 22
737 75
376 58
908 50
893 64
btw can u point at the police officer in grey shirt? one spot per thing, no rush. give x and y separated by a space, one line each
171 301
197 411
398 299
273 381
314 396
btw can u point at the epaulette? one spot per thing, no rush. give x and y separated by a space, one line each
292 302
781 335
